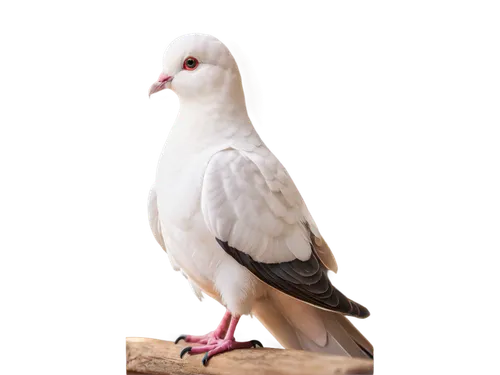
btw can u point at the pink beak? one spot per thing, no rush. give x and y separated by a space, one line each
162 77
163 81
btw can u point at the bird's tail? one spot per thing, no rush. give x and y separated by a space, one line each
298 325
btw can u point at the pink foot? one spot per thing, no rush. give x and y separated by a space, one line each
219 346
209 338
213 343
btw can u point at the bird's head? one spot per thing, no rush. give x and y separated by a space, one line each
196 66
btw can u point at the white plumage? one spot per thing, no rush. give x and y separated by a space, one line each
216 180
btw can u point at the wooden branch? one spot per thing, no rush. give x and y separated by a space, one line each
156 357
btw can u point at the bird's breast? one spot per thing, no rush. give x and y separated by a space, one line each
178 187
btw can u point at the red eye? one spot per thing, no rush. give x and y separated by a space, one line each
190 63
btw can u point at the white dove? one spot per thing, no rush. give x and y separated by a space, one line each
231 219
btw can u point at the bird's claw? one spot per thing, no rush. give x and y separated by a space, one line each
257 343
186 350
204 361
181 337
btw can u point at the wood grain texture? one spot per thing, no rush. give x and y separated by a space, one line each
157 357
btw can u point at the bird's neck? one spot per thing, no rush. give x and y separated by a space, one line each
213 115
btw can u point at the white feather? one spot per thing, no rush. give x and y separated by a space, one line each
154 223
196 289
217 179
254 218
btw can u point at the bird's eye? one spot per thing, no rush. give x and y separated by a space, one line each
190 63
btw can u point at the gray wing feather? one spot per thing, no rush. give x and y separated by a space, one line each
305 280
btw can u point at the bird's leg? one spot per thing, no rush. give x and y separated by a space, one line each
226 344
210 337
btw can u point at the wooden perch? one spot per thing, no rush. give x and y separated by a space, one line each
156 357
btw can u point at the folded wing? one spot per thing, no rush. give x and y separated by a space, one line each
258 217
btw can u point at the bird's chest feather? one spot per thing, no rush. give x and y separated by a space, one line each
180 174
178 185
